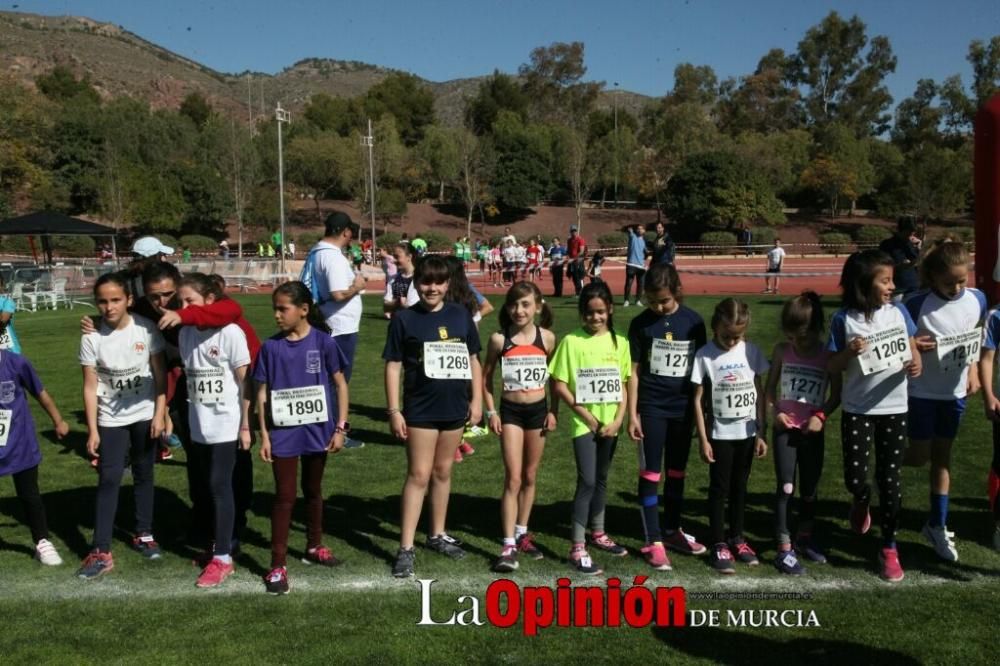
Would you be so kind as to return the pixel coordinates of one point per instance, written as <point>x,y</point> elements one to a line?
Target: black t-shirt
<point>664,397</point>
<point>426,399</point>
<point>902,251</point>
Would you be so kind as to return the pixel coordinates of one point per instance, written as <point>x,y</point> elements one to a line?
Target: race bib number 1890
<point>298,406</point>
<point>5,423</point>
<point>447,360</point>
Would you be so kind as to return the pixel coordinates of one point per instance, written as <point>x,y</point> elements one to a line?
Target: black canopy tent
<point>46,224</point>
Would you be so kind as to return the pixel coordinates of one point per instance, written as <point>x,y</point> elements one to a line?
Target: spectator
<point>775,258</point>
<point>664,248</point>
<point>635,261</point>
<point>746,238</point>
<point>904,248</point>
<point>557,255</point>
<point>291,249</point>
<point>224,248</point>
<point>576,253</point>
<point>276,241</point>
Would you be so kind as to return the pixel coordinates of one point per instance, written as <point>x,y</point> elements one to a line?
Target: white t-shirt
<point>210,357</point>
<point>520,254</point>
<point>510,254</point>
<point>334,273</point>
<point>126,392</point>
<point>946,379</point>
<point>775,256</point>
<point>724,370</point>
<point>881,392</point>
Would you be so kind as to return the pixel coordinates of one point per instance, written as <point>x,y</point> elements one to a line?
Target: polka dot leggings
<point>887,433</point>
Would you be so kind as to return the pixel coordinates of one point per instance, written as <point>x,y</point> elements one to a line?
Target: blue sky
<point>634,43</point>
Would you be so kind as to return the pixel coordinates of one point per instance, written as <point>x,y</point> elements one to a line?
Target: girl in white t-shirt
<point>732,369</point>
<point>948,316</point>
<point>871,338</point>
<point>215,361</point>
<point>124,385</point>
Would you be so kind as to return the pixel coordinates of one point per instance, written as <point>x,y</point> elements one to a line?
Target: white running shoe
<point>943,542</point>
<point>47,554</point>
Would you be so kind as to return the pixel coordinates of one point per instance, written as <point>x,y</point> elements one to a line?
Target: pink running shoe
<point>860,516</point>
<point>320,555</point>
<point>891,569</point>
<point>656,557</point>
<point>458,454</point>
<point>466,449</point>
<point>683,543</point>
<point>216,572</point>
<point>602,541</point>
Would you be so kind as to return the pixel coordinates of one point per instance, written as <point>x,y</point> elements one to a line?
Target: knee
<point>513,483</point>
<point>418,478</point>
<point>786,489</point>
<point>586,483</point>
<point>442,472</point>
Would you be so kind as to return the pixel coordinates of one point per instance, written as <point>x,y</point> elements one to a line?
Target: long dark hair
<point>203,284</point>
<point>858,278</point>
<point>803,314</point>
<point>299,295</point>
<point>517,291</point>
<point>458,286</point>
<point>599,290</point>
<point>664,276</point>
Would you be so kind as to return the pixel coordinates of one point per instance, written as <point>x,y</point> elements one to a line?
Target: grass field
<point>152,612</point>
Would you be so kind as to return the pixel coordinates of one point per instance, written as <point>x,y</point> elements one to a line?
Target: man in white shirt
<point>775,257</point>
<point>341,304</point>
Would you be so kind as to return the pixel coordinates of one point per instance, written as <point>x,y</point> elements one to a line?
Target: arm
<point>343,403</point>
<point>839,360</point>
<point>611,429</point>
<point>990,402</point>
<point>476,404</point>
<point>221,313</point>
<point>240,374</point>
<point>158,365</point>
<point>49,405</point>
<point>916,364</point>
<point>552,418</point>
<point>346,294</point>
<point>265,436</point>
<point>561,391</point>
<point>771,390</point>
<point>634,425</point>
<point>396,422</point>
<point>492,355</point>
<point>90,409</point>
<point>485,308</point>
<point>705,447</point>
<point>760,442</point>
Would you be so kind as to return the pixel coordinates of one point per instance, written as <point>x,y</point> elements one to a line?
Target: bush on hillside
<point>725,239</point>
<point>871,234</point>
<point>197,244</point>
<point>836,243</point>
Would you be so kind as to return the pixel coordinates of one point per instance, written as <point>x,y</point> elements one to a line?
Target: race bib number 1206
<point>888,349</point>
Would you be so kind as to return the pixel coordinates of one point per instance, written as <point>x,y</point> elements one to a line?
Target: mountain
<point>119,62</point>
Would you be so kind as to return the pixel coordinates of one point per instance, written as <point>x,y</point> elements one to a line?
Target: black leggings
<point>888,434</point>
<point>213,466</point>
<point>666,444</point>
<point>26,487</point>
<point>794,448</point>
<point>593,460</point>
<point>134,442</point>
<point>727,479</point>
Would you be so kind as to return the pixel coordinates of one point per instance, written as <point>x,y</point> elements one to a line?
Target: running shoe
<point>466,449</point>
<point>507,561</point>
<point>722,560</point>
<point>216,572</point>
<point>351,443</point>
<point>444,544</point>
<point>603,542</point>
<point>891,569</point>
<point>580,560</point>
<point>477,431</point>
<point>526,546</point>
<point>173,441</point>
<point>626,304</point>
<point>458,454</point>
<point>860,517</point>
<point>321,555</point>
<point>807,548</point>
<point>164,453</point>
<point>276,582</point>
<point>942,540</point>
<point>744,553</point>
<point>96,564</point>
<point>787,563</point>
<point>147,546</point>
<point>403,567</point>
<point>683,543</point>
<point>656,557</point>
<point>47,554</point>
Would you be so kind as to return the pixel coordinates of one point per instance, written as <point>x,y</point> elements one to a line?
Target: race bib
<point>205,385</point>
<point>299,406</point>
<point>671,358</point>
<point>447,360</point>
<point>524,373</point>
<point>957,352</point>
<point>734,400</point>
<point>598,385</point>
<point>803,383</point>
<point>5,423</point>
<point>887,349</point>
<point>5,341</point>
<point>118,383</point>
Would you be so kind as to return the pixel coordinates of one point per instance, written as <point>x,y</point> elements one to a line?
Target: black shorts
<point>529,416</point>
<point>774,270</point>
<point>443,426</point>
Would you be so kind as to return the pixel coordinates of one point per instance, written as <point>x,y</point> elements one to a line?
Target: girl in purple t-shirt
<point>301,418</point>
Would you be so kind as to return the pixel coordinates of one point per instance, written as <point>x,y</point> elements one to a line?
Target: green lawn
<point>151,611</point>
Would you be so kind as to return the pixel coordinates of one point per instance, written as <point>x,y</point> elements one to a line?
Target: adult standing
<point>904,248</point>
<point>576,252</point>
<point>328,272</point>
<point>635,260</point>
<point>276,241</point>
<point>746,238</point>
<point>507,236</point>
<point>557,255</point>
<point>664,248</point>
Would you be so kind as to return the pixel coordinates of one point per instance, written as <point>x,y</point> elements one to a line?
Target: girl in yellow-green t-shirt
<point>589,371</point>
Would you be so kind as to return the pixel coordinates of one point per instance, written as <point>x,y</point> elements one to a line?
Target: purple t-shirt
<point>17,376</point>
<point>289,364</point>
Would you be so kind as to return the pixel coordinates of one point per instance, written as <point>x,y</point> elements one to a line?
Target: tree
<point>779,157</point>
<point>553,84</point>
<point>475,170</point>
<point>918,122</point>
<point>762,102</point>
<point>844,82</point>
<point>577,166</point>
<point>61,85</point>
<point>407,100</point>
<point>985,61</point>
<point>311,163</point>
<point>499,92</point>
<point>523,156</point>
<point>333,114</point>
<point>694,85</point>
<point>440,151</point>
<point>719,190</point>
<point>197,108</point>
<point>842,167</point>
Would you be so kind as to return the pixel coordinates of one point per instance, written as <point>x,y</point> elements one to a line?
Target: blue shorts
<point>934,418</point>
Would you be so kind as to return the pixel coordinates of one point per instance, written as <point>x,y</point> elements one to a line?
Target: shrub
<point>836,243</point>
<point>964,234</point>
<point>726,239</point>
<point>763,235</point>
<point>307,239</point>
<point>197,244</point>
<point>612,240</point>
<point>437,241</point>
<point>871,234</point>
<point>72,246</point>
<point>388,240</point>
<point>16,245</point>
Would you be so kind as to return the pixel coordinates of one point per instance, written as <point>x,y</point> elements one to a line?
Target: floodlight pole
<point>616,144</point>
<point>281,116</point>
<point>369,140</point>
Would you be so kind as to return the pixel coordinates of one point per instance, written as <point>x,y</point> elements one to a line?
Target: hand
<point>265,449</point>
<point>609,430</point>
<point>707,455</point>
<point>785,420</point>
<point>973,386</point>
<point>87,325</point>
<point>857,346</point>
<point>169,319</point>
<point>336,442</point>
<point>245,440</point>
<point>359,282</point>
<point>925,343</point>
<point>475,414</point>
<point>635,428</point>
<point>397,424</point>
<point>914,367</point>
<point>814,424</point>
<point>495,425</point>
<point>62,429</point>
<point>992,408</point>
<point>759,447</point>
<point>551,422</point>
<point>93,444</point>
<point>593,425</point>
<point>156,427</point>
